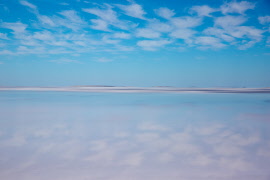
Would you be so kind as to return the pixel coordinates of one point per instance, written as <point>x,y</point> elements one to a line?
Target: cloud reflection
<point>83,142</point>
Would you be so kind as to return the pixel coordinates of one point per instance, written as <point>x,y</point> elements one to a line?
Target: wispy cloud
<point>64,61</point>
<point>122,27</point>
<point>29,5</point>
<point>165,12</point>
<point>152,45</point>
<point>209,42</point>
<point>104,60</point>
<point>264,19</point>
<point>236,7</point>
<point>16,27</point>
<point>147,33</point>
<point>133,10</point>
<point>3,36</point>
<point>204,10</point>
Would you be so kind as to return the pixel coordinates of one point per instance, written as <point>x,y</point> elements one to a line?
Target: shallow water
<point>86,136</point>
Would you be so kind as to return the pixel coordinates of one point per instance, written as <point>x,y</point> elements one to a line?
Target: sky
<point>206,43</point>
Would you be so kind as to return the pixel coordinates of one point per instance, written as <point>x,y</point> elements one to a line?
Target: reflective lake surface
<point>106,136</point>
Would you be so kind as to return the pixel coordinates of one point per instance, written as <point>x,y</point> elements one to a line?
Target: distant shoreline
<point>118,89</point>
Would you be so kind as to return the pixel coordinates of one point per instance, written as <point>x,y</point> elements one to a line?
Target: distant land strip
<point>128,89</point>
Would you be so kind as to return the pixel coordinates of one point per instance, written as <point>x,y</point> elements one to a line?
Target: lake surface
<point>107,136</point>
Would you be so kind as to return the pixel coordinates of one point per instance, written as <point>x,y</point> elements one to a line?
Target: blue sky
<point>205,43</point>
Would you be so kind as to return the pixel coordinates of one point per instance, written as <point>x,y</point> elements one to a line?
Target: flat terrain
<point>123,89</point>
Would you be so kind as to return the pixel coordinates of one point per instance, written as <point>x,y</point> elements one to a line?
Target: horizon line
<point>133,89</point>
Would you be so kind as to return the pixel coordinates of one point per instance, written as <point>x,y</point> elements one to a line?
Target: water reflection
<point>136,136</point>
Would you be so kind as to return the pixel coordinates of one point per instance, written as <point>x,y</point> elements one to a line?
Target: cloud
<point>107,17</point>
<point>103,60</point>
<point>47,21</point>
<point>229,21</point>
<point>158,26</point>
<point>264,19</point>
<point>220,33</point>
<point>209,42</point>
<point>186,22</point>
<point>202,10</point>
<point>107,28</point>
<point>3,36</point>
<point>133,10</point>
<point>236,7</point>
<point>17,27</point>
<point>29,5</point>
<point>100,24</point>
<point>183,33</point>
<point>121,35</point>
<point>152,127</point>
<point>43,35</point>
<point>230,29</point>
<point>6,52</point>
<point>152,45</point>
<point>72,16</point>
<point>16,140</point>
<point>147,33</point>
<point>164,12</point>
<point>30,50</point>
<point>64,61</point>
<point>133,159</point>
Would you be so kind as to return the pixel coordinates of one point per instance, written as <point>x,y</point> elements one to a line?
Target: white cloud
<point>99,24</point>
<point>229,21</point>
<point>133,10</point>
<point>156,25</point>
<point>220,33</point>
<point>133,159</point>
<point>183,33</point>
<point>152,127</point>
<point>165,157</point>
<point>106,14</point>
<point>46,20</point>
<point>69,32</point>
<point>203,10</point>
<point>16,141</point>
<point>121,35</point>
<point>103,59</point>
<point>236,7</point>
<point>6,52</point>
<point>106,39</point>
<point>72,16</point>
<point>186,22</point>
<point>107,17</point>
<point>250,32</point>
<point>147,137</point>
<point>209,42</point>
<point>27,4</point>
<point>152,45</point>
<point>147,33</point>
<point>64,61</point>
<point>30,50</point>
<point>17,27</point>
<point>165,12</point>
<point>43,35</point>
<point>228,150</point>
<point>3,36</point>
<point>264,19</point>
<point>230,29</point>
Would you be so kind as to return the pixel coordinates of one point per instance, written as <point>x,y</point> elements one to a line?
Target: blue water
<point>85,136</point>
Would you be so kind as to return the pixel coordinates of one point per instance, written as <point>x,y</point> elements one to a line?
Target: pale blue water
<point>85,136</point>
